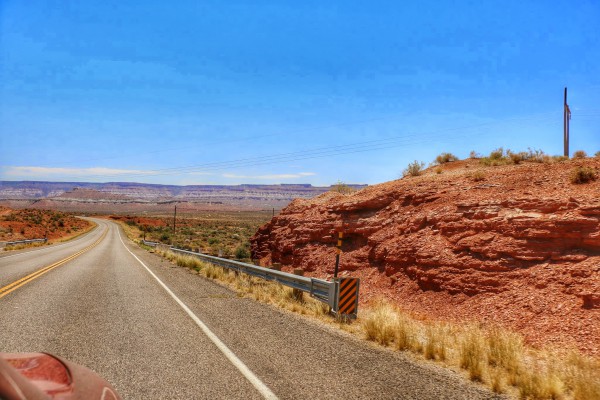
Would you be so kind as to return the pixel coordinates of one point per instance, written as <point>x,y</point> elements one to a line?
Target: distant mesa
<point>140,197</point>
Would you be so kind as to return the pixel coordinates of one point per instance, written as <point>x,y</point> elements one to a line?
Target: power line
<point>358,147</point>
<point>244,139</point>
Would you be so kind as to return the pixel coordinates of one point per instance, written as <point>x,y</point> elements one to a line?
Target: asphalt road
<point>157,331</point>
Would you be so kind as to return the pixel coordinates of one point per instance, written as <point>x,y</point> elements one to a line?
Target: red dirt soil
<point>520,248</point>
<point>35,224</point>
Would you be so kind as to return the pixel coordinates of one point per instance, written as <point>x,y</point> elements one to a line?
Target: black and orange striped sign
<point>348,296</point>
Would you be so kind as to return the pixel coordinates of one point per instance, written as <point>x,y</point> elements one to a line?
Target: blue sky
<point>212,92</point>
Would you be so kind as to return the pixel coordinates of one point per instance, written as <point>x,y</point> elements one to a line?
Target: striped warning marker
<point>348,296</point>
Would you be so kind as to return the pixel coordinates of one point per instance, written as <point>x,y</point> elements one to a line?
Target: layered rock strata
<point>520,247</point>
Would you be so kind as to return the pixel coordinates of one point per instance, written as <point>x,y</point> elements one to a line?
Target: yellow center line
<point>26,279</point>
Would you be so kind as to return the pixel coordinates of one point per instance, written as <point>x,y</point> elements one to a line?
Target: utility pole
<point>566,119</point>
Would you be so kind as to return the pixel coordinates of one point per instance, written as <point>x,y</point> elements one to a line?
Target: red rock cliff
<point>520,248</point>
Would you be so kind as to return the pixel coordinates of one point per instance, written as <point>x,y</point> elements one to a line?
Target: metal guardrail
<point>325,291</point>
<point>27,241</point>
<point>148,243</point>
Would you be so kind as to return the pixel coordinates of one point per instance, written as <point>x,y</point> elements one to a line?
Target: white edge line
<point>239,364</point>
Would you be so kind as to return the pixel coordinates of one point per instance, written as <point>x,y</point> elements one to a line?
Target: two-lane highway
<point>158,331</point>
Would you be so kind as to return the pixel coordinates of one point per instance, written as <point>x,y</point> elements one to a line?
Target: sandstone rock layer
<point>520,248</point>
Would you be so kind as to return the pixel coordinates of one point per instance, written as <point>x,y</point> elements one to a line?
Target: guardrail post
<point>297,293</point>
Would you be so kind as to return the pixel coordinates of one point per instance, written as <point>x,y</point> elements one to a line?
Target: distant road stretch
<point>157,331</point>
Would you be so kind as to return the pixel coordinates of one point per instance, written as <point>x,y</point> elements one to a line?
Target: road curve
<point>157,331</point>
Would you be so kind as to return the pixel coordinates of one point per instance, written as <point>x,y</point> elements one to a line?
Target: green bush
<point>242,253</point>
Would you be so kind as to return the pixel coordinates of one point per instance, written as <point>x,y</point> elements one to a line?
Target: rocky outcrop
<point>524,244</point>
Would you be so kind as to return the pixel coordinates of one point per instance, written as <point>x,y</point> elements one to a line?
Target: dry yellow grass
<point>380,324</point>
<point>582,374</point>
<point>406,335</point>
<point>436,338</point>
<point>540,381</point>
<point>258,289</point>
<point>22,246</point>
<point>493,356</point>
<point>505,350</point>
<point>473,355</point>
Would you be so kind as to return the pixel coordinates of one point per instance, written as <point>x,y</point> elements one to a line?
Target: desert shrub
<point>165,237</point>
<point>580,154</point>
<point>478,176</point>
<point>341,187</point>
<point>241,253</point>
<point>445,158</point>
<point>497,154</point>
<point>583,175</point>
<point>497,157</point>
<point>558,158</point>
<point>516,158</point>
<point>502,157</point>
<point>535,155</point>
<point>415,168</point>
<point>474,154</point>
<point>439,170</point>
<point>597,154</point>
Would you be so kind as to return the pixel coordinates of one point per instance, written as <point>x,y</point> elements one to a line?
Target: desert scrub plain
<point>36,224</point>
<point>224,233</point>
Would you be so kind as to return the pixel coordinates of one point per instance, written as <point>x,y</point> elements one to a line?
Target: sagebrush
<point>415,168</point>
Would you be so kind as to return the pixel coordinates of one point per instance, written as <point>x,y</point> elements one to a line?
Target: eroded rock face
<point>521,247</point>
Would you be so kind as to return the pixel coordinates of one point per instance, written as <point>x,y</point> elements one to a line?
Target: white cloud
<point>271,176</point>
<point>100,174</point>
<point>43,172</point>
